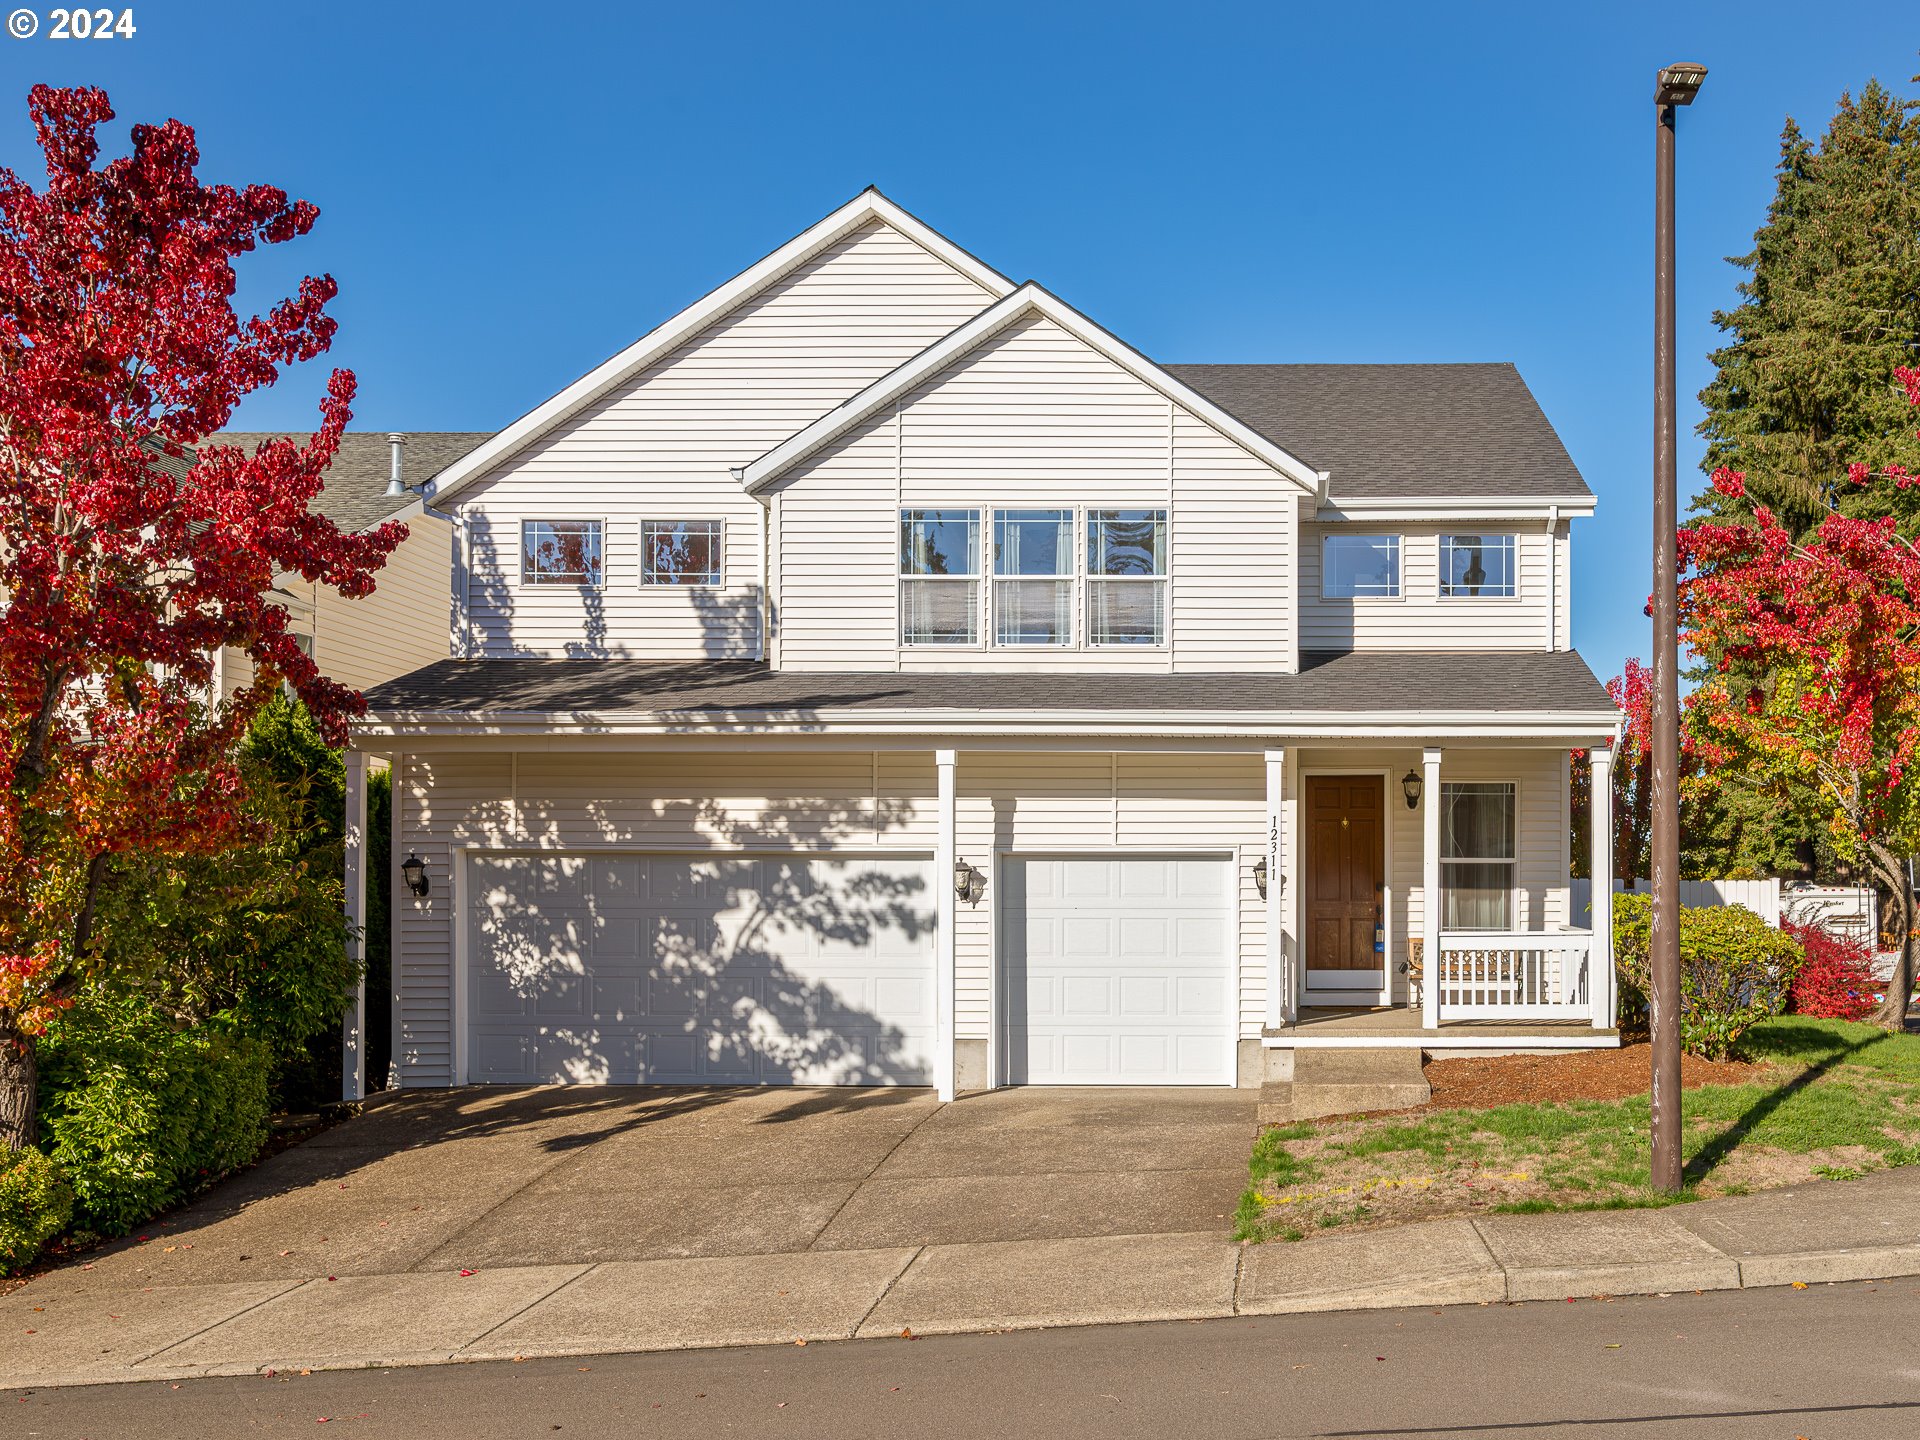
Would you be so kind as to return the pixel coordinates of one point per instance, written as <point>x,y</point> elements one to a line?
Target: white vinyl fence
<point>1846,909</point>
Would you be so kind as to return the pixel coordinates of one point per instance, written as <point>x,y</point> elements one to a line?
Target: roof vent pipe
<point>396,487</point>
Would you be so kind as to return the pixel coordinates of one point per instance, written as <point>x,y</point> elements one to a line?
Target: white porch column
<point>1600,956</point>
<point>1430,887</point>
<point>1280,996</point>
<point>353,1046</point>
<point>945,853</point>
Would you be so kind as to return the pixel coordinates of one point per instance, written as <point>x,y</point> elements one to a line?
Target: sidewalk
<point>63,1330</point>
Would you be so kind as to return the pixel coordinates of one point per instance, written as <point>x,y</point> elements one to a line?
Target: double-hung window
<point>560,552</point>
<point>680,552</point>
<point>1479,567</point>
<point>1360,567</point>
<point>1033,577</point>
<point>939,577</point>
<point>1126,577</point>
<point>1477,855</point>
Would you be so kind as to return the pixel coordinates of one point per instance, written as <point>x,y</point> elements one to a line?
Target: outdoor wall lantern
<point>1260,876</point>
<point>414,869</point>
<point>968,883</point>
<point>1410,787</point>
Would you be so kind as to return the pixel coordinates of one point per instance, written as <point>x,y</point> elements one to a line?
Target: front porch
<point>1355,1029</point>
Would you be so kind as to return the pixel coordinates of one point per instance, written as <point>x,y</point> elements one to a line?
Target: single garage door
<point>633,969</point>
<point>1117,970</point>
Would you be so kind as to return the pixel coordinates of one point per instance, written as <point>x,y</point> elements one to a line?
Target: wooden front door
<point>1346,880</point>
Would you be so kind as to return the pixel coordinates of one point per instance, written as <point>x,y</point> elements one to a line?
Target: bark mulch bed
<point>1481,1084</point>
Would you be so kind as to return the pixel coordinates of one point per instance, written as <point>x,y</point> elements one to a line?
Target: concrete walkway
<point>159,1310</point>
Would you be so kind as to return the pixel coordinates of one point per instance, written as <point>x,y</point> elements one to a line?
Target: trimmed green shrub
<point>36,1203</point>
<point>140,1114</point>
<point>1735,970</point>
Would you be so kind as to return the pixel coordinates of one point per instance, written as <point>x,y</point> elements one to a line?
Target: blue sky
<point>511,193</point>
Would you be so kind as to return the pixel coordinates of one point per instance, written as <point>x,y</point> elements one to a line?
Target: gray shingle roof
<point>354,496</point>
<point>1389,682</point>
<point>1401,431</point>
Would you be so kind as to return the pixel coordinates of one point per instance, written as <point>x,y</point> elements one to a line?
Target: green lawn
<point>1838,1099</point>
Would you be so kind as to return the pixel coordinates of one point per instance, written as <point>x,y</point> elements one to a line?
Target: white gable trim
<point>869,205</point>
<point>1029,299</point>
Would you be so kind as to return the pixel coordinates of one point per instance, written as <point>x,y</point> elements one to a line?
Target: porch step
<point>1346,1082</point>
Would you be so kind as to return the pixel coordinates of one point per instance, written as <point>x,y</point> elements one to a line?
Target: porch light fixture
<point>1410,787</point>
<point>968,883</point>
<point>1260,876</point>
<point>414,870</point>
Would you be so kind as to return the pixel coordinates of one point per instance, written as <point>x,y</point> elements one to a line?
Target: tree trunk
<point>1892,1014</point>
<point>19,1085</point>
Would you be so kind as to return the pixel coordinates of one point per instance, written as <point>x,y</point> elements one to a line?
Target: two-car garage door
<point>731,969</point>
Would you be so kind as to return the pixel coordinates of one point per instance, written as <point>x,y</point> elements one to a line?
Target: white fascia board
<point>1029,299</point>
<point>1570,728</point>
<point>663,339</point>
<point>1440,507</point>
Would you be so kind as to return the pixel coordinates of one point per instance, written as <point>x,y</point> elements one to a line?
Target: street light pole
<point>1677,86</point>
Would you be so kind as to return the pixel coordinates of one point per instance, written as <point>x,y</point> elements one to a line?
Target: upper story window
<point>680,552</point>
<point>1479,566</point>
<point>560,552</point>
<point>1126,569</point>
<point>1476,855</point>
<point>1360,567</point>
<point>939,577</point>
<point>1033,577</point>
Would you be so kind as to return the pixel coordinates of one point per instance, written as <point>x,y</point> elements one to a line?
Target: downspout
<point>763,641</point>
<point>1553,576</point>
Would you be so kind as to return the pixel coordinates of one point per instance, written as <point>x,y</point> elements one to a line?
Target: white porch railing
<point>1531,975</point>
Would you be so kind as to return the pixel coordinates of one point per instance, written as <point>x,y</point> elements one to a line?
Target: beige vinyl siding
<point>661,447</point>
<point>402,625</point>
<point>1035,418</point>
<point>1541,832</point>
<point>1419,619</point>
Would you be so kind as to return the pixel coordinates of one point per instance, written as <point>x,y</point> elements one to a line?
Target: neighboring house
<point>403,624</point>
<point>879,673</point>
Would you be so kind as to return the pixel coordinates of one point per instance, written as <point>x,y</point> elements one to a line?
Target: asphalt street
<point>1821,1363</point>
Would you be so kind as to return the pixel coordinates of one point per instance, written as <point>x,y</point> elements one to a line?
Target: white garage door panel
<point>624,969</point>
<point>1117,970</point>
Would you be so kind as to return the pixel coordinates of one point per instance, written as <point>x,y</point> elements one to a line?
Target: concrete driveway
<point>432,1181</point>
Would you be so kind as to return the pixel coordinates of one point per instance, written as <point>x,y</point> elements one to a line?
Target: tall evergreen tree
<point>1805,385</point>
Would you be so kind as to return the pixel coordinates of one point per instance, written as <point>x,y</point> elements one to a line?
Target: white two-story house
<point>882,674</point>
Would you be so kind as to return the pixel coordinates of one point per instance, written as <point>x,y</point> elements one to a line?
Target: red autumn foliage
<point>131,553</point>
<point>1835,981</point>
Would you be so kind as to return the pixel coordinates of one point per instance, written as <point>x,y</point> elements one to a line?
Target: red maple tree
<point>1815,652</point>
<point>130,552</point>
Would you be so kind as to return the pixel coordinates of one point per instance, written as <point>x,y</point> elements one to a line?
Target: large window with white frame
<point>939,577</point>
<point>1477,823</point>
<point>680,552</point>
<point>1126,577</point>
<point>561,552</point>
<point>1360,567</point>
<point>1479,567</point>
<point>1033,577</point>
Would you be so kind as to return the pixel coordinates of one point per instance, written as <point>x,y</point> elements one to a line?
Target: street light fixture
<point>1676,86</point>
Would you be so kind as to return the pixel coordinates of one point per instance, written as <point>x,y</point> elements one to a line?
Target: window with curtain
<point>1476,855</point>
<point>560,552</point>
<point>1032,577</point>
<point>679,552</point>
<point>1126,569</point>
<point>1359,567</point>
<point>939,577</point>
<point>1479,567</point>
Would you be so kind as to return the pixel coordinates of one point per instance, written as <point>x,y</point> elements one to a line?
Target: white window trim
<point>1512,862</point>
<point>1399,568</point>
<point>991,577</point>
<point>978,577</point>
<point>606,551</point>
<point>721,537</point>
<point>1440,574</point>
<point>1088,580</point>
